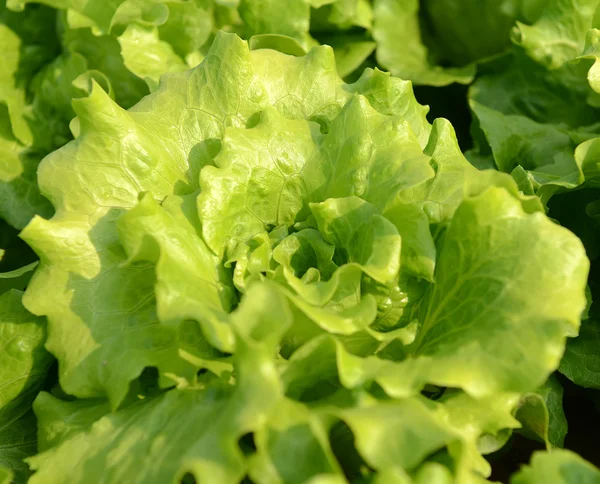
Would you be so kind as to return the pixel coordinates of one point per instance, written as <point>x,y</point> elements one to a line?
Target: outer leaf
<point>18,442</point>
<point>391,95</point>
<point>559,466</point>
<point>19,196</point>
<point>101,190</point>
<point>404,433</point>
<point>60,420</point>
<point>188,27</point>
<point>581,362</point>
<point>476,420</point>
<point>292,447</point>
<point>368,155</point>
<point>385,432</point>
<point>558,35</point>
<point>350,51</point>
<point>515,84</point>
<point>24,361</point>
<point>440,196</point>
<point>482,307</point>
<point>267,17</point>
<point>103,53</point>
<point>467,31</point>
<point>147,56</point>
<point>542,414</point>
<point>191,283</point>
<point>592,51</point>
<point>545,150</point>
<point>28,41</point>
<point>401,50</point>
<point>183,431</point>
<point>103,15</point>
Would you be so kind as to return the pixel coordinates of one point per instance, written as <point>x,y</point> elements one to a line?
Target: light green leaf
<point>91,192</point>
<point>340,14</point>
<point>278,42</point>
<point>258,181</point>
<point>303,250</point>
<point>205,424</point>
<point>20,199</point>
<point>440,196</point>
<point>362,235</point>
<point>147,56</point>
<point>557,466</point>
<point>558,35</point>
<point>366,154</point>
<point>60,420</point>
<point>191,283</point>
<point>404,433</point>
<point>23,366</point>
<point>418,247</point>
<point>103,15</point>
<point>390,95</point>
<point>266,175</point>
<point>267,17</point>
<point>28,41</point>
<point>189,26</point>
<point>350,51</point>
<point>17,279</point>
<point>386,431</point>
<point>24,361</point>
<point>484,305</point>
<point>103,53</point>
<point>302,87</point>
<point>592,51</point>
<point>477,421</point>
<point>336,306</point>
<point>292,447</point>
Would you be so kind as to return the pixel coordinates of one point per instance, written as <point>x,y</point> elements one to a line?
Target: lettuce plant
<point>252,270</point>
<point>322,284</point>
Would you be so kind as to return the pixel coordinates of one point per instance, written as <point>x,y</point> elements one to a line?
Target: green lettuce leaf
<point>117,445</point>
<point>400,48</point>
<point>560,466</point>
<point>24,363</point>
<point>476,304</point>
<point>580,362</point>
<point>542,415</point>
<point>558,35</point>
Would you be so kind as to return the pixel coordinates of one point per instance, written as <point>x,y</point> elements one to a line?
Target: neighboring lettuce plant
<point>536,115</point>
<point>261,272</point>
<point>535,103</point>
<point>24,363</point>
